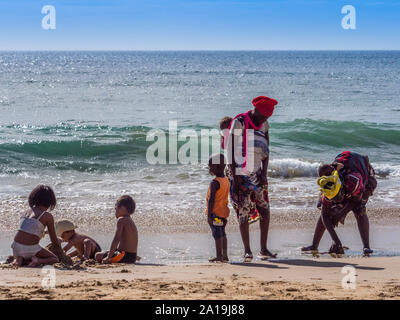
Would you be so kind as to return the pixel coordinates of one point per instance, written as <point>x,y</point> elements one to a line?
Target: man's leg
<point>363,228</point>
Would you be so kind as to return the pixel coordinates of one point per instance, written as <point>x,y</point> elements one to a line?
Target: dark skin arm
<point>236,178</point>
<point>214,186</point>
<point>51,229</point>
<point>74,253</point>
<point>116,240</point>
<point>327,220</point>
<point>264,172</point>
<point>68,246</point>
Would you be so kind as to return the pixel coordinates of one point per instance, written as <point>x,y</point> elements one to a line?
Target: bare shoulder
<point>79,238</point>
<point>124,220</point>
<point>47,217</point>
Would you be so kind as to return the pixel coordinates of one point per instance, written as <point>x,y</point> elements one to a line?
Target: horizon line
<point>186,50</point>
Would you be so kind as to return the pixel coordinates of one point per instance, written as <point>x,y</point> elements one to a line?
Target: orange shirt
<point>221,198</point>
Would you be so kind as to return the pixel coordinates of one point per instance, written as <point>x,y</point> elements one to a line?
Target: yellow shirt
<point>221,198</point>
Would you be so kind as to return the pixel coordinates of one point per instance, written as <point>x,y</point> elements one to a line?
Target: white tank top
<point>32,226</point>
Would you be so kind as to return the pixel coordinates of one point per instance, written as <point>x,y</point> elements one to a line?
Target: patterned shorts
<point>248,203</point>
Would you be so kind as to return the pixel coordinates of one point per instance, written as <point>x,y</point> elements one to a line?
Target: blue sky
<point>199,25</point>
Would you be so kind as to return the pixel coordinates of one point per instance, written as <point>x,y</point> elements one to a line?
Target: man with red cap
<point>248,154</point>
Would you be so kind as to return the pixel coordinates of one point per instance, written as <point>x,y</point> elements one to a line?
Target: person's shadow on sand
<point>258,265</point>
<point>322,264</point>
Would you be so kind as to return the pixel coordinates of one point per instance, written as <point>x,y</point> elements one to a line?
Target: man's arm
<point>116,240</point>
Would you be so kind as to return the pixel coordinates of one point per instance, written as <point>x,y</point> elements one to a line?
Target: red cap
<point>265,105</point>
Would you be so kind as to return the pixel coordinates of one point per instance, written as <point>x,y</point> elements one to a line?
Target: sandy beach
<point>317,278</point>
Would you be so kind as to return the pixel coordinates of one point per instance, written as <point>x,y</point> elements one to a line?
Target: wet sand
<point>377,278</point>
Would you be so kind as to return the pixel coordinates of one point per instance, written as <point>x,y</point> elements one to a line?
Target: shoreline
<point>196,221</point>
<point>376,278</point>
<point>289,231</point>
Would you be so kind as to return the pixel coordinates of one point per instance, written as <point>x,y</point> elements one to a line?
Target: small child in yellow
<point>217,206</point>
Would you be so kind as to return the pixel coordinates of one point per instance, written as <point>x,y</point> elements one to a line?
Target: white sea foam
<point>291,168</point>
<point>383,169</point>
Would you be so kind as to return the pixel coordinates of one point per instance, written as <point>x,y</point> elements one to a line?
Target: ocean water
<point>78,121</point>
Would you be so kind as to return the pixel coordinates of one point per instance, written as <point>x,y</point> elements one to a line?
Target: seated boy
<point>124,245</point>
<point>85,247</point>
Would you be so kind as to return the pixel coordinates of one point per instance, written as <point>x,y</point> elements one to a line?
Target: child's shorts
<point>93,255</point>
<point>24,251</point>
<point>218,232</point>
<point>122,257</point>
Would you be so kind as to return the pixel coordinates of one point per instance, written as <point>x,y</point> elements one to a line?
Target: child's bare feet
<point>34,263</point>
<point>248,257</point>
<point>18,262</point>
<point>215,259</point>
<point>266,254</point>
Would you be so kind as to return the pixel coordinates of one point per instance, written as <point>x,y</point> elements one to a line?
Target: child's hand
<point>106,260</point>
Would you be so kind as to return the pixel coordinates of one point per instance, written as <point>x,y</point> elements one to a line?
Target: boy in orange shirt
<point>217,206</point>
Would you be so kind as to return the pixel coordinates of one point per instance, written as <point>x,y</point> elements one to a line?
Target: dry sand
<point>377,278</point>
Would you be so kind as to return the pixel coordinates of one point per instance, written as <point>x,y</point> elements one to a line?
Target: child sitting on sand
<point>26,247</point>
<point>123,248</point>
<point>217,206</point>
<point>85,247</point>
